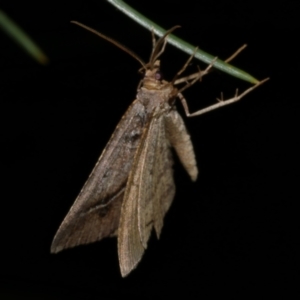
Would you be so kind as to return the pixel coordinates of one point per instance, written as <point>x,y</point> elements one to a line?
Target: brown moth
<point>131,187</point>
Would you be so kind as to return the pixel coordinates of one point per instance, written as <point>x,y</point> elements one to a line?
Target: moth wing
<point>180,139</point>
<point>157,188</point>
<point>149,192</point>
<point>163,185</point>
<point>95,213</point>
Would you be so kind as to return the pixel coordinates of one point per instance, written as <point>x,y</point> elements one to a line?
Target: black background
<point>233,232</point>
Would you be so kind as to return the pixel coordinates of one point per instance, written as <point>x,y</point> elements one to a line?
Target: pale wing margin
<point>96,211</point>
<point>149,192</point>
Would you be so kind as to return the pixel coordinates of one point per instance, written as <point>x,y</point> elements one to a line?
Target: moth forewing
<point>96,211</point>
<point>130,244</point>
<point>163,184</point>
<point>145,182</point>
<point>150,188</point>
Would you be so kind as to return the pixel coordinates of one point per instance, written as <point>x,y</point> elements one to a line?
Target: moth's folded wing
<point>143,192</point>
<point>130,248</point>
<point>96,211</point>
<point>156,184</point>
<point>180,139</point>
<point>163,185</point>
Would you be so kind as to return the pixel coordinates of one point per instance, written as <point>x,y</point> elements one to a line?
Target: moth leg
<point>161,50</point>
<point>158,49</point>
<point>236,53</point>
<point>220,103</point>
<point>184,66</point>
<point>200,74</point>
<point>153,39</point>
<point>193,78</point>
<point>206,71</point>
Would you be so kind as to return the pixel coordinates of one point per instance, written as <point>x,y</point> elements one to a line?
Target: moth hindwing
<point>131,186</point>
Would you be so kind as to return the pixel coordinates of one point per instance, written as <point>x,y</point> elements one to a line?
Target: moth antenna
<point>122,47</point>
<point>159,46</point>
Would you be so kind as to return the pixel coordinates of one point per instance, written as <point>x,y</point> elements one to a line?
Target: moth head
<point>153,78</point>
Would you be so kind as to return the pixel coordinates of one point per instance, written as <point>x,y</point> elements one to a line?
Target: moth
<point>131,186</point>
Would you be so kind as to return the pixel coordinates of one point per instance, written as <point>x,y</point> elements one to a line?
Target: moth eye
<point>158,76</point>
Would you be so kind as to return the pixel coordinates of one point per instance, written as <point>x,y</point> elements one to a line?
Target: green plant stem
<point>16,33</point>
<point>182,45</point>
